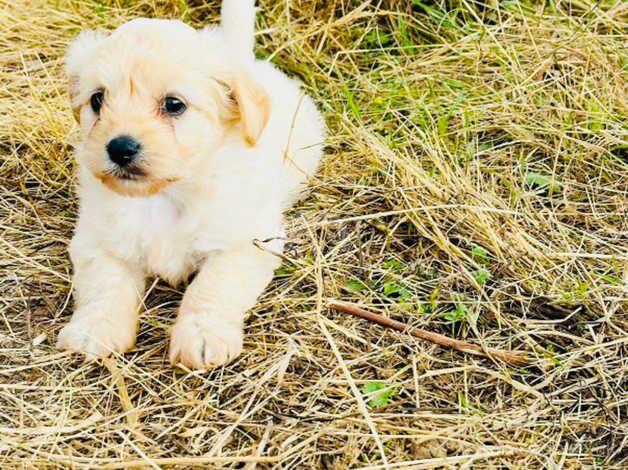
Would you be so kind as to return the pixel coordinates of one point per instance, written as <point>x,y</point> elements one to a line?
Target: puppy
<point>190,150</point>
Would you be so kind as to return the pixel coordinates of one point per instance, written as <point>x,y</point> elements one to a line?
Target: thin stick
<point>516,359</point>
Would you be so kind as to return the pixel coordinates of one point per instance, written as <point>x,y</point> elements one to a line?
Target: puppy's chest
<point>164,239</point>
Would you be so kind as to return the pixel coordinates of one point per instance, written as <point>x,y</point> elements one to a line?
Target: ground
<point>474,184</point>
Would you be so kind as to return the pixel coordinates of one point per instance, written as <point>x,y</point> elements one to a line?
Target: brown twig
<point>516,359</point>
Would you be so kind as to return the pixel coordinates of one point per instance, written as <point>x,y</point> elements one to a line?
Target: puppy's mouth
<point>133,181</point>
<point>127,173</point>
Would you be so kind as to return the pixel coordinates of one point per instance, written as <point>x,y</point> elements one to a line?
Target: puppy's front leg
<point>107,294</point>
<point>209,329</point>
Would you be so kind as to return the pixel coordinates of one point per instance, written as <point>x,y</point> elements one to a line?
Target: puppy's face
<point>153,99</point>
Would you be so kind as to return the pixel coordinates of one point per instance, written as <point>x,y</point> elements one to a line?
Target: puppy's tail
<point>237,18</point>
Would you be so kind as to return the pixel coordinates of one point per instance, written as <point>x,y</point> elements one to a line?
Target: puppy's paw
<point>203,341</point>
<point>96,335</point>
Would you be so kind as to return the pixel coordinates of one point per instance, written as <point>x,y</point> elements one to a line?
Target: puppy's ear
<point>78,55</point>
<point>253,106</point>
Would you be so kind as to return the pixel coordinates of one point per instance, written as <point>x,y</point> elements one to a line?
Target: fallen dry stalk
<point>516,359</point>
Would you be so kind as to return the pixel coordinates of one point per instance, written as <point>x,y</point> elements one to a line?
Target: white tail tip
<point>237,18</point>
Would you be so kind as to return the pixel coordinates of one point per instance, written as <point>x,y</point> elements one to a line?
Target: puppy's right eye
<point>96,101</point>
<point>173,106</point>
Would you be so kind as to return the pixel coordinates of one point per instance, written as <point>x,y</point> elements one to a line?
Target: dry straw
<point>474,185</point>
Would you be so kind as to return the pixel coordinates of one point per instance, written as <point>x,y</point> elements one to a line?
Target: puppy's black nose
<point>123,150</point>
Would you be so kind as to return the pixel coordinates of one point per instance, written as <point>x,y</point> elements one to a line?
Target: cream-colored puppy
<point>190,150</point>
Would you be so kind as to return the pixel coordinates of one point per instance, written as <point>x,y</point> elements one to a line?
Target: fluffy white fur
<point>217,178</point>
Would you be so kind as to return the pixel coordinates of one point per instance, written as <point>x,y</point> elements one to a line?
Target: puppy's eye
<point>96,101</point>
<point>173,106</point>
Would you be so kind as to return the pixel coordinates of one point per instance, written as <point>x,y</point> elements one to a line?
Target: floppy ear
<point>78,55</point>
<point>253,105</point>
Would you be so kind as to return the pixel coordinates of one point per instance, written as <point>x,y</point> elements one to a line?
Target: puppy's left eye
<point>173,106</point>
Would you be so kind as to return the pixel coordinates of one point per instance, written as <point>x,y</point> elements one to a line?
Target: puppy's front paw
<point>203,341</point>
<point>96,335</point>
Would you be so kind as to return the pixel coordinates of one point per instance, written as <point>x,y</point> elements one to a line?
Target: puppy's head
<point>154,99</point>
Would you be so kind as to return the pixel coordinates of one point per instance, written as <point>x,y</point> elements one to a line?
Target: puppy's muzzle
<point>123,150</point>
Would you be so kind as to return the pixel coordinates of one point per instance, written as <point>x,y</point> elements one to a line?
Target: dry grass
<point>475,184</point>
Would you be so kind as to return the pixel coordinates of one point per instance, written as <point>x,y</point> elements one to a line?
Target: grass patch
<point>474,184</point>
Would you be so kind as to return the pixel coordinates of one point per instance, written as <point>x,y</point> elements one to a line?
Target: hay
<point>475,184</point>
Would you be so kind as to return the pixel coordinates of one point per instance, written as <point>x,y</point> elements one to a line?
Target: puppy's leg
<point>107,294</point>
<point>209,329</point>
